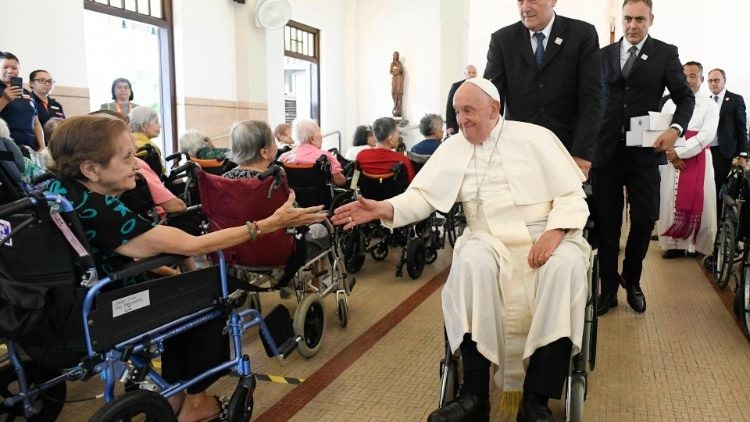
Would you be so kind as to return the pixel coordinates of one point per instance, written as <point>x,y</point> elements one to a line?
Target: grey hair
<point>304,129</point>
<point>191,141</point>
<point>247,139</point>
<point>140,116</point>
<point>383,127</point>
<point>430,123</point>
<point>4,130</point>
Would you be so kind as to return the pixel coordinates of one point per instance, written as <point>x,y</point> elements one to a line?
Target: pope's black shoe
<point>534,408</point>
<point>636,299</point>
<point>465,408</point>
<point>604,302</point>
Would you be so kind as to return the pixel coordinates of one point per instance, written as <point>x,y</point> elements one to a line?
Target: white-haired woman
<point>144,122</point>
<point>197,145</point>
<point>307,133</point>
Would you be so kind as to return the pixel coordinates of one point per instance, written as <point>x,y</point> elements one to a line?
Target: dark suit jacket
<point>732,124</point>
<point>565,95</point>
<point>450,112</point>
<point>657,66</point>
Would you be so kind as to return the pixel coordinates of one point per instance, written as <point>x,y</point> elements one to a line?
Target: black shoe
<point>636,299</point>
<point>534,408</point>
<point>673,253</point>
<point>654,237</point>
<point>465,408</point>
<point>604,302</point>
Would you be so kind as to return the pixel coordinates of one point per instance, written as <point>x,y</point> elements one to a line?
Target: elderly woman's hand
<point>361,211</point>
<point>289,216</point>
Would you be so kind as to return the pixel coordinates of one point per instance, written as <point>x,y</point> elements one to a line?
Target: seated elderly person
<point>516,292</point>
<point>381,158</point>
<point>307,132</point>
<point>363,139</point>
<point>196,144</point>
<point>253,149</point>
<point>431,127</point>
<point>144,122</point>
<point>283,135</point>
<point>95,163</point>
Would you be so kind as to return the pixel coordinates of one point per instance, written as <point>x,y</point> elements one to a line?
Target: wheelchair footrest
<point>289,346</point>
<point>280,328</point>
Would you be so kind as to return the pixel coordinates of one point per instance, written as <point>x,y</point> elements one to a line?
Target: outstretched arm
<point>362,211</point>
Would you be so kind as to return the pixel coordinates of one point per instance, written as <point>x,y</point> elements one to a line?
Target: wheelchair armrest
<point>189,210</point>
<point>143,265</point>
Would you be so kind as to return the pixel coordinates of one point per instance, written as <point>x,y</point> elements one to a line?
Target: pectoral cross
<point>476,202</point>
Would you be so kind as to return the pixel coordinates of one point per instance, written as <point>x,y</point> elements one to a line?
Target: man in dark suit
<point>636,69</point>
<point>731,138</point>
<point>451,125</point>
<point>555,83</point>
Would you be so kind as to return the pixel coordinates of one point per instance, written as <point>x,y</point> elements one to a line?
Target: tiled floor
<point>684,359</point>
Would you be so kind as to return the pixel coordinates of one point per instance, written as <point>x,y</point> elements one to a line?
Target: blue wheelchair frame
<point>112,367</point>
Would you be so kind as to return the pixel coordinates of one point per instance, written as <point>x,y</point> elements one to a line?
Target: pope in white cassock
<point>687,209</point>
<point>516,292</point>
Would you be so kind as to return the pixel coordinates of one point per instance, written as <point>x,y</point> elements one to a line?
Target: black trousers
<point>642,185</point>
<point>722,166</point>
<point>195,351</point>
<point>545,376</point>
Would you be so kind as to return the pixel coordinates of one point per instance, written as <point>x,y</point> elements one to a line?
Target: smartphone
<point>16,81</point>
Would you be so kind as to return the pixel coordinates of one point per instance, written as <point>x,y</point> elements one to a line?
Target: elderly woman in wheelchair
<point>307,263</point>
<point>94,163</point>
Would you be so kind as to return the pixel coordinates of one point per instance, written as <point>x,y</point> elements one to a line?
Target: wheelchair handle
<point>175,156</point>
<point>273,170</point>
<point>15,206</point>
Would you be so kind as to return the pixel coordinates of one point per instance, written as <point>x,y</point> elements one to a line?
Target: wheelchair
<point>419,242</point>
<point>733,228</point>
<point>576,384</point>
<point>62,322</point>
<point>312,186</point>
<point>279,259</point>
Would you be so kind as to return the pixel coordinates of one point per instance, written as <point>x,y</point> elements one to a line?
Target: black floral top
<point>107,222</point>
<point>238,173</point>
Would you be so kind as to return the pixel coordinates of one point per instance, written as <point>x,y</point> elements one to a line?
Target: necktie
<point>716,98</point>
<point>539,52</point>
<point>629,62</point>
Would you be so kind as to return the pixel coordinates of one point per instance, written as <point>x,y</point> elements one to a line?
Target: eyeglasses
<point>714,81</point>
<point>44,81</point>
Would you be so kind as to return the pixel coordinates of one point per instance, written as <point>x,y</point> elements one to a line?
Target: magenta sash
<point>688,207</point>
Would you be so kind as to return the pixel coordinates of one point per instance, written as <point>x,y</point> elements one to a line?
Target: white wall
<point>61,50</point>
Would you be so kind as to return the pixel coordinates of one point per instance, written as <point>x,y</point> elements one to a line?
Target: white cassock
<point>532,185</point>
<point>705,120</point>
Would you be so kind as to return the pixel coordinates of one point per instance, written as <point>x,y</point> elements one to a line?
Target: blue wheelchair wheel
<point>241,404</point>
<point>140,405</point>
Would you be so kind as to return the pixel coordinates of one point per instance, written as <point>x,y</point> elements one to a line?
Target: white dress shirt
<point>719,101</point>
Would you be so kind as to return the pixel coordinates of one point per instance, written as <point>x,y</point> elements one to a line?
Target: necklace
<point>477,200</point>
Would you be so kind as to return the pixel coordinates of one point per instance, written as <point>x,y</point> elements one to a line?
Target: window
<point>133,39</point>
<point>301,71</point>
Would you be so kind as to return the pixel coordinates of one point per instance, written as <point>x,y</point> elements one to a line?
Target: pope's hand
<point>544,247</point>
<point>584,165</point>
<point>361,211</point>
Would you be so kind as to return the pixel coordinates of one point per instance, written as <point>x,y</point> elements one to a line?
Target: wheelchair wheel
<point>455,223</point>
<point>742,299</point>
<point>342,311</point>
<point>49,403</point>
<point>253,301</point>
<point>449,381</point>
<point>416,257</point>
<point>709,263</point>
<point>431,255</point>
<point>380,251</point>
<point>576,397</point>
<point>310,323</point>
<point>241,404</point>
<point>353,247</point>
<point>725,254</point>
<point>140,405</point>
